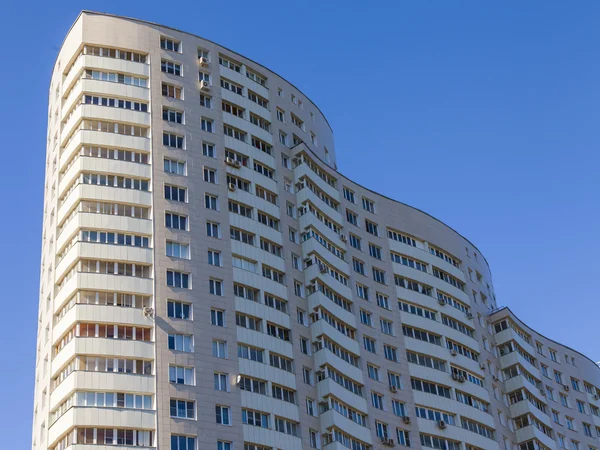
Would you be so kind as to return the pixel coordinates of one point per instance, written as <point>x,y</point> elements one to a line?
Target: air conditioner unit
<point>596,397</point>
<point>406,420</point>
<point>231,187</point>
<point>203,61</point>
<point>313,286</point>
<point>442,302</point>
<point>323,269</point>
<point>542,393</point>
<point>343,237</point>
<point>567,388</point>
<point>148,311</point>
<point>482,367</point>
<point>204,86</point>
<point>453,352</point>
<point>455,376</point>
<point>389,442</point>
<point>461,379</point>
<point>495,378</point>
<point>442,424</point>
<point>393,388</point>
<point>469,316</point>
<point>232,162</point>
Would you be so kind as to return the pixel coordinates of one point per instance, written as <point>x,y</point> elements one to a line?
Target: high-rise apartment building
<point>209,281</point>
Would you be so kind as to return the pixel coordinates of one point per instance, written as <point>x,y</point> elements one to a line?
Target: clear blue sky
<point>484,114</point>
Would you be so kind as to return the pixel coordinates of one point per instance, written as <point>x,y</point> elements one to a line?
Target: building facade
<point>210,281</point>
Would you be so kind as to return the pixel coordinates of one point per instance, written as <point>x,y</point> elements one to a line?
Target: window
<point>354,241</point>
<point>378,275</point>
<point>178,250</point>
<point>208,150</point>
<point>365,317</point>
<point>169,44</point>
<point>217,317</point>
<point>382,301</point>
<point>179,310</point>
<point>369,344</point>
<point>283,393</point>
<point>358,266</point>
<point>219,349</point>
<point>362,291</point>
<point>181,342</point>
<point>171,115</point>
<point>349,195</point>
<point>280,115</point>
<point>175,193</point>
<point>206,125</point>
<point>252,385</point>
<point>178,279</point>
<point>304,346</point>
<point>387,326</point>
<point>307,376</point>
<point>377,400</point>
<point>215,287</point>
<point>214,258</point>
<point>206,101</point>
<point>172,140</point>
<point>256,419</point>
<point>371,227</point>
<point>254,76</point>
<point>237,67</point>
<point>211,202</point>
<point>222,445</point>
<point>170,67</point>
<point>261,101</point>
<point>175,221</point>
<point>174,167</point>
<point>351,217</point>
<point>231,86</point>
<point>171,91</point>
<point>182,442</point>
<point>181,375</point>
<point>553,355</point>
<point>373,372</point>
<point>368,205</point>
<point>212,229</point>
<point>183,409</point>
<point>390,353</point>
<point>222,415</point>
<point>251,353</point>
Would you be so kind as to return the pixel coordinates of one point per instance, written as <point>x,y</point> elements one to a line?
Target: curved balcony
<point>266,372</point>
<point>303,170</point>
<point>305,194</point>
<point>257,254</point>
<point>102,381</point>
<point>511,335</point>
<point>105,166</point>
<point>326,357</point>
<point>264,341</point>
<point>246,125</point>
<point>312,245</point>
<point>272,405</point>
<point>515,357</point>
<point>82,416</point>
<point>102,139</point>
<point>456,433</point>
<point>102,193</point>
<point>253,226</point>
<point>103,88</point>
<point>268,437</point>
<point>246,148</point>
<point>252,200</point>
<point>313,271</point>
<point>96,112</point>
<point>321,327</point>
<point>328,387</point>
<point>317,299</point>
<point>263,311</point>
<point>100,314</point>
<point>106,222</point>
<point>309,219</point>
<point>531,432</point>
<point>244,102</point>
<point>102,282</point>
<point>439,328</point>
<point>93,250</point>
<point>444,354</point>
<point>332,418</point>
<point>257,281</point>
<point>524,407</point>
<point>102,347</point>
<point>458,408</point>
